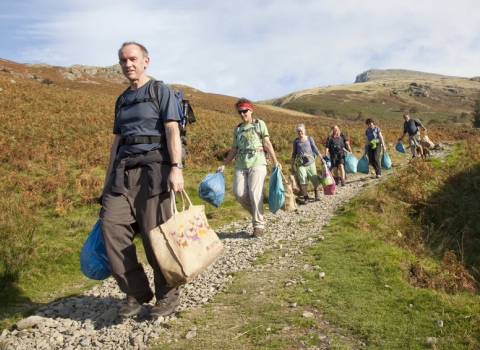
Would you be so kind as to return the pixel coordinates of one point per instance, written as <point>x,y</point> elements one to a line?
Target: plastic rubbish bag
<point>212,189</point>
<point>93,258</point>
<point>351,163</point>
<point>399,147</point>
<point>327,181</point>
<point>386,162</point>
<point>362,166</point>
<point>328,161</point>
<point>276,192</point>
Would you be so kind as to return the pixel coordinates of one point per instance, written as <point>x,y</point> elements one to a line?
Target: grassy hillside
<point>54,152</point>
<point>432,100</point>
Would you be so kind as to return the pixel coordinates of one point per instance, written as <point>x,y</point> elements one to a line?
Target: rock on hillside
<point>395,74</point>
<point>80,72</point>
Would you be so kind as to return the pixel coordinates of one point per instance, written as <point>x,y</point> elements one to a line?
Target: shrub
<point>476,114</point>
<point>48,81</point>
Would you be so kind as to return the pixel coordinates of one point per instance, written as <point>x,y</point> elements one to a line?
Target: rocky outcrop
<point>396,74</point>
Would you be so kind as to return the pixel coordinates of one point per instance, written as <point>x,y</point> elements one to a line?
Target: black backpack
<point>184,108</point>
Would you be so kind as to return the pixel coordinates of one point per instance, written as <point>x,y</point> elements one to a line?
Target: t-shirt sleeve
<point>314,146</point>
<point>168,103</point>
<point>417,122</point>
<point>235,141</point>
<point>263,128</point>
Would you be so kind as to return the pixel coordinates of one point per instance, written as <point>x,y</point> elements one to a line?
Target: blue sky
<point>258,49</point>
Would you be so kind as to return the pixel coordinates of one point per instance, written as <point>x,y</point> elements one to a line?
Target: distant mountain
<point>386,74</point>
<point>387,93</point>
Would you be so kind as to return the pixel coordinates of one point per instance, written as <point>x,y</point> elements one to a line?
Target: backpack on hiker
<point>256,125</point>
<point>187,116</point>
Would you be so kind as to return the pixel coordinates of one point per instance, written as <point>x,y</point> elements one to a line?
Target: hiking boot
<point>258,232</point>
<point>317,195</point>
<point>165,307</point>
<point>379,176</point>
<point>337,181</point>
<point>133,307</point>
<point>343,182</point>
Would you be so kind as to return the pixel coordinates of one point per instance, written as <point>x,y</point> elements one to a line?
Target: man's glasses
<point>243,111</point>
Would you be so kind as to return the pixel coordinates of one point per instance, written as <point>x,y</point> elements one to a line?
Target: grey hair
<point>300,127</point>
<point>142,48</point>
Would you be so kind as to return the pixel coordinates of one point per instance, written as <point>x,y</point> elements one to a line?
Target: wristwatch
<point>178,165</point>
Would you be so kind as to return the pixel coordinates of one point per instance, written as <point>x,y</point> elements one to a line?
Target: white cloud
<point>254,48</point>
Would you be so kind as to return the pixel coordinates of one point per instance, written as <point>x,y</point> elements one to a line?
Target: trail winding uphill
<point>89,321</point>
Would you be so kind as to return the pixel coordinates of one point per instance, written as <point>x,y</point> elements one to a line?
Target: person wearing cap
<point>251,144</point>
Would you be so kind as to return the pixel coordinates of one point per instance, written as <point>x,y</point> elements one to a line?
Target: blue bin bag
<point>386,162</point>
<point>399,147</point>
<point>362,166</point>
<point>276,192</point>
<point>93,258</point>
<point>328,161</point>
<point>351,163</point>
<point>212,189</point>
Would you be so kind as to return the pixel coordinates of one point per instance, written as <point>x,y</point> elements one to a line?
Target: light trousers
<point>248,190</point>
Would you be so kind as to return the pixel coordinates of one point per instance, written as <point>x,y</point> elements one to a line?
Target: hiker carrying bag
<point>351,163</point>
<point>185,245</point>
<point>362,166</point>
<point>93,258</point>
<point>276,192</point>
<point>212,189</point>
<point>289,203</point>
<point>386,163</point>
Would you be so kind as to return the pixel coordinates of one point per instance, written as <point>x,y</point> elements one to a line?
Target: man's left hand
<point>175,180</point>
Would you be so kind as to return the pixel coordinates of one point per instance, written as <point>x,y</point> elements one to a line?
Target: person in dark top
<point>374,143</point>
<point>410,127</point>
<point>139,178</point>
<point>337,145</point>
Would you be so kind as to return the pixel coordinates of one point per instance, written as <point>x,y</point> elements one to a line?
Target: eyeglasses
<point>243,111</point>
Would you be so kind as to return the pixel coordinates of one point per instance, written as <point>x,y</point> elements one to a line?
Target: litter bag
<point>351,163</point>
<point>328,161</point>
<point>327,181</point>
<point>212,189</point>
<point>386,162</point>
<point>362,166</point>
<point>399,147</point>
<point>93,258</point>
<point>276,192</point>
<point>289,203</point>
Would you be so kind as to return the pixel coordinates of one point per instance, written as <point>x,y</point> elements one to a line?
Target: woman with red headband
<point>251,144</point>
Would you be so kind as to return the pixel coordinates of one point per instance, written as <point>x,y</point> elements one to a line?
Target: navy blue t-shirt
<point>411,127</point>
<point>143,119</point>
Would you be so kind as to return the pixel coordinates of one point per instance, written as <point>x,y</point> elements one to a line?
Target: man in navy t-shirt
<point>145,165</point>
<point>410,127</point>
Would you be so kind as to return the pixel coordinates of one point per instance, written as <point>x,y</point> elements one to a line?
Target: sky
<point>257,49</point>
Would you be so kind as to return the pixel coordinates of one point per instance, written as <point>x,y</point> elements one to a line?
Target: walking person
<point>374,143</point>
<point>337,145</point>
<point>410,127</point>
<point>302,162</point>
<point>251,143</point>
<point>145,165</point>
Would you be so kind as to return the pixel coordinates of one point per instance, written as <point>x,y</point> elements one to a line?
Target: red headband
<point>245,105</point>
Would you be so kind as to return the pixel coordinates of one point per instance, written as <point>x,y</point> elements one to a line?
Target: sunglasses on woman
<point>243,111</point>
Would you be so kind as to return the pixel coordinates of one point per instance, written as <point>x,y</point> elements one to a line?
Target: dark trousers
<point>125,215</point>
<point>374,158</point>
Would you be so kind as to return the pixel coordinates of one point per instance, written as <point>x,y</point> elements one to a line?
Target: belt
<point>133,140</point>
<point>136,155</point>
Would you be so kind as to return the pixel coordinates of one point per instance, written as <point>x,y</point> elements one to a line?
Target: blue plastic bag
<point>351,163</point>
<point>212,189</point>
<point>93,258</point>
<point>362,166</point>
<point>276,192</point>
<point>328,161</point>
<point>386,162</point>
<point>399,147</point>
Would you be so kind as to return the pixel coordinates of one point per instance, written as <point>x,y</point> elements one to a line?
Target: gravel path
<point>89,321</point>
